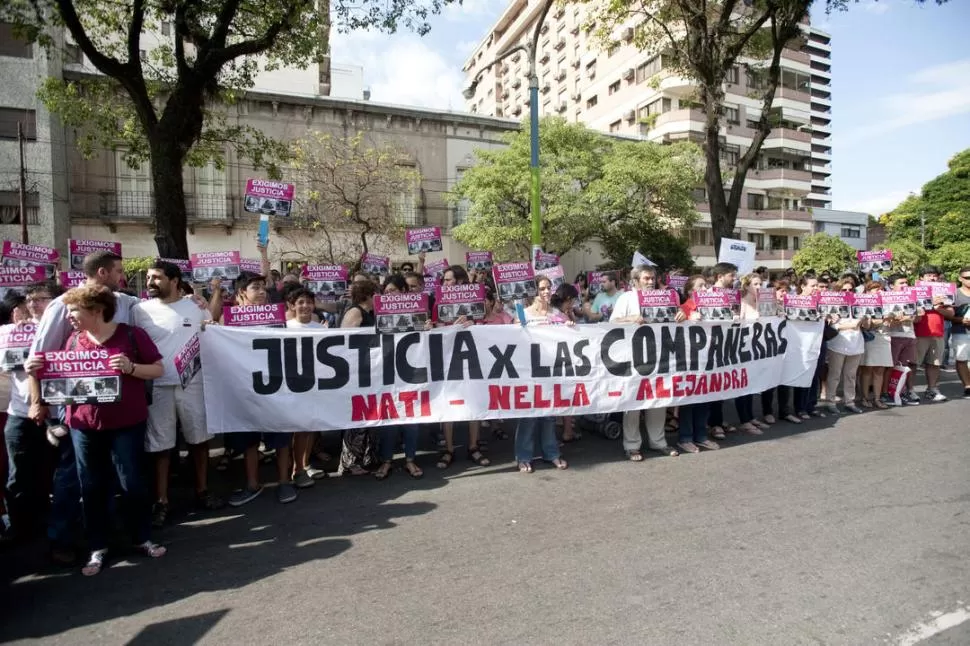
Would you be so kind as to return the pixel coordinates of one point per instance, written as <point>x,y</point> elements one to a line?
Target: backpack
<point>149,383</point>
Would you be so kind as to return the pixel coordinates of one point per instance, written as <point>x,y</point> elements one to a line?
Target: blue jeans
<point>388,438</point>
<point>693,423</point>
<point>745,407</point>
<point>768,399</point>
<point>715,412</point>
<point>65,497</point>
<point>28,462</point>
<point>806,399</point>
<point>525,438</point>
<point>101,455</point>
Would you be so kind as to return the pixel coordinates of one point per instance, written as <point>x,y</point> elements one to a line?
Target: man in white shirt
<point>172,322</point>
<point>627,310</point>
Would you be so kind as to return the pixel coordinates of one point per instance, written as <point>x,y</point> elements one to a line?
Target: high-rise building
<point>630,92</point>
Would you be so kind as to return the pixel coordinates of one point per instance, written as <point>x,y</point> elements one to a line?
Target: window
<point>134,186</point>
<point>210,193</point>
<point>729,154</point>
<point>462,207</point>
<point>699,237</point>
<point>779,243</point>
<point>648,69</point>
<point>795,243</point>
<point>615,126</point>
<point>851,232</point>
<point>614,87</point>
<point>12,45</point>
<point>730,114</point>
<point>655,107</point>
<point>10,207</point>
<point>166,28</point>
<point>10,117</point>
<point>733,75</point>
<point>405,204</point>
<point>591,102</point>
<point>72,54</point>
<point>756,202</point>
<point>758,239</point>
<point>699,194</point>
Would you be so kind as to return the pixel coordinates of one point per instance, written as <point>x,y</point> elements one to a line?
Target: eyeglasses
<point>964,277</point>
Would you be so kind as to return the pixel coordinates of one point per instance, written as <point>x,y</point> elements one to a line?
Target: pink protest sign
<point>767,302</point>
<point>867,305</point>
<point>185,266</point>
<point>946,291</point>
<point>375,264</point>
<point>436,268</point>
<point>901,303</point>
<point>658,305</point>
<point>514,280</point>
<point>15,341</point>
<point>454,301</point>
<point>188,361</point>
<point>801,308</point>
<point>17,254</point>
<point>207,265</point>
<point>400,312</point>
<point>71,279</point>
<point>16,278</point>
<point>543,260</point>
<point>329,282</point>
<point>478,260</point>
<point>268,197</point>
<point>272,315</point>
<point>79,376</point>
<point>714,305</point>
<point>555,274</point>
<point>835,303</point>
<point>874,260</point>
<point>423,240</point>
<point>251,265</point>
<point>80,248</point>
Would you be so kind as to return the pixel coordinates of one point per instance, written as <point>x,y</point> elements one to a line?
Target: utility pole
<point>922,229</point>
<point>23,185</point>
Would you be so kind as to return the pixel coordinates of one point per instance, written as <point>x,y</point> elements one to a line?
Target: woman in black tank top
<point>359,450</point>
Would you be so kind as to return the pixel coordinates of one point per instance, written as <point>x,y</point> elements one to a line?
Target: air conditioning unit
<point>630,115</point>
<point>575,30</point>
<point>627,34</point>
<point>546,88</point>
<point>545,29</point>
<point>577,96</point>
<point>561,76</point>
<point>629,74</point>
<point>575,64</point>
<point>560,43</point>
<point>562,107</point>
<point>516,83</point>
<point>544,59</point>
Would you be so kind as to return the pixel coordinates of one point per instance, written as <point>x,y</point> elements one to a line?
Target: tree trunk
<point>171,217</point>
<point>722,217</point>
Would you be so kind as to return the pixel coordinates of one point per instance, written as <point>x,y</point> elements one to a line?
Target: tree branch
<point>134,35</point>
<point>223,21</point>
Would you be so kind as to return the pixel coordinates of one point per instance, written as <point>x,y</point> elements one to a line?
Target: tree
<point>667,249</point>
<point>951,257</point>
<point>353,193</point>
<point>704,41</point>
<point>160,106</point>
<point>591,184</point>
<point>822,252</point>
<point>940,212</point>
<point>908,256</point>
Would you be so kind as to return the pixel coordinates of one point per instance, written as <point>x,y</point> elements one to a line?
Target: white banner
<point>319,379</point>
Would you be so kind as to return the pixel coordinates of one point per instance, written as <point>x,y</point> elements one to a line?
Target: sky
<point>900,86</point>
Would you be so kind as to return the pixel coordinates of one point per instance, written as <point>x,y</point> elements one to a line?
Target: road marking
<point>940,622</point>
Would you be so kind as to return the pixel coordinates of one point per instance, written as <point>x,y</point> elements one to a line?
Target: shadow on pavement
<point>184,630</point>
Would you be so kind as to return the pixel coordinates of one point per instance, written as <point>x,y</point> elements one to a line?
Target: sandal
<point>356,470</point>
<point>575,437</point>
<point>500,434</point>
<point>634,456</point>
<point>717,432</point>
<point>866,402</point>
<point>770,419</point>
<point>445,459</point>
<point>384,471</point>
<point>525,467</point>
<point>152,550</point>
<point>560,464</point>
<point>794,419</point>
<point>668,450</point>
<point>413,470</point>
<point>476,456</point>
<point>95,563</point>
<point>881,405</point>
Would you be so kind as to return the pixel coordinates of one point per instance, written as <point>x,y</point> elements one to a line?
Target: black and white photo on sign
<point>659,314</point>
<point>266,205</point>
<point>716,313</point>
<point>391,323</point>
<point>803,314</point>
<point>480,265</point>
<point>14,358</point>
<point>871,311</point>
<point>875,265</point>
<point>424,246</point>
<point>54,390</point>
<point>77,260</point>
<point>205,274</point>
<point>842,311</point>
<point>516,290</point>
<point>899,309</point>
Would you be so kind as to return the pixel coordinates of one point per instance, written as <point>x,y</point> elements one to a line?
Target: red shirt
<point>688,307</point>
<point>133,407</point>
<point>931,325</point>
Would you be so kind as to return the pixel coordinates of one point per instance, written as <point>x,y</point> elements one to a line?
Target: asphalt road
<point>849,531</point>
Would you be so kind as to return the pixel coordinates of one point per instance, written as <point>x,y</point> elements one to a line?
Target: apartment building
<point>630,92</point>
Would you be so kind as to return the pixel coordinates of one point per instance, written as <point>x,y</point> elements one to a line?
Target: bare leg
<point>200,461</point>
<point>568,429</point>
<point>449,430</point>
<point>865,379</point>
<point>932,376</point>
<point>474,431</point>
<point>878,373</point>
<point>302,444</point>
<point>964,371</point>
<point>251,465</point>
<point>283,464</point>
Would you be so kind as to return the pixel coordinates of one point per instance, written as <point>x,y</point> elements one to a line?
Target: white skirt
<point>878,352</point>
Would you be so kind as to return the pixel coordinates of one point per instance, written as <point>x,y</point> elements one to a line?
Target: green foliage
<point>908,256</point>
<point>591,184</point>
<point>823,252</point>
<point>667,249</point>
<point>944,202</point>
<point>951,257</point>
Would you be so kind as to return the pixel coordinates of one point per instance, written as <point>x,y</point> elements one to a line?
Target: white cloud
<point>877,7</point>
<point>472,10</point>
<point>404,70</point>
<point>877,205</point>
<point>933,93</point>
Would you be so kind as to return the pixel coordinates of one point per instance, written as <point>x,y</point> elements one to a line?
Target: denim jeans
<point>947,329</point>
<point>693,423</point>
<point>525,438</point>
<point>768,400</point>
<point>806,399</point>
<point>65,497</point>
<point>745,407</point>
<point>388,439</point>
<point>715,411</point>
<point>101,455</point>
<point>28,466</point>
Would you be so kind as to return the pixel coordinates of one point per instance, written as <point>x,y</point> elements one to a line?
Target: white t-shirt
<point>54,329</point>
<point>848,342</point>
<point>293,323</point>
<point>170,326</point>
<point>628,304</point>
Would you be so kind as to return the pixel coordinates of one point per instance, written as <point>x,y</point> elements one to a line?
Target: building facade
<point>631,92</point>
<point>851,227</point>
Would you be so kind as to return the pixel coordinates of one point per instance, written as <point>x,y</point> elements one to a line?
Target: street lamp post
<point>530,50</point>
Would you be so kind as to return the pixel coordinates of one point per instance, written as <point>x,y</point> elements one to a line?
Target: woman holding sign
<point>358,451</point>
<point>108,437</point>
<point>540,312</point>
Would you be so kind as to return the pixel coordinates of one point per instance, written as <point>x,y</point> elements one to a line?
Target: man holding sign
<point>172,322</point>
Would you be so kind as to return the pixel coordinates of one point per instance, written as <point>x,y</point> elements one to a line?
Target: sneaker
<point>852,408</point>
<point>966,393</point>
<point>316,474</point>
<point>934,396</point>
<point>948,368</point>
<point>887,400</point>
<point>206,501</point>
<point>909,399</point>
<point>243,496</point>
<point>159,514</point>
<point>302,480</point>
<point>286,492</point>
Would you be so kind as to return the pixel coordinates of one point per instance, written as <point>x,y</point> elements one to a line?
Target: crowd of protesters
<point>93,462</point>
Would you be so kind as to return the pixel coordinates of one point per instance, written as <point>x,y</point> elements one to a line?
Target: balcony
<point>792,94</point>
<point>783,219</point>
<point>672,84</point>
<point>796,181</point>
<point>677,121</point>
<point>111,208</point>
<point>795,140</point>
<point>795,56</point>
